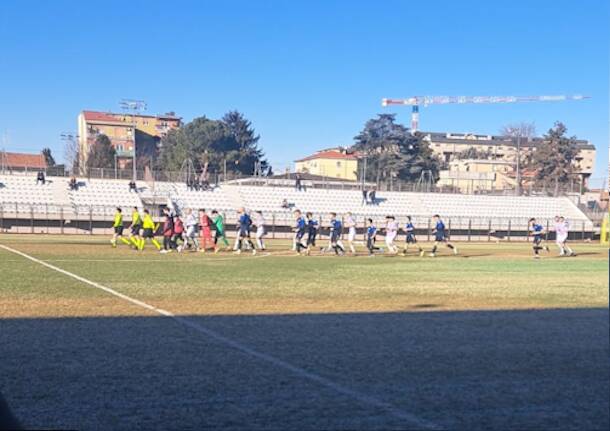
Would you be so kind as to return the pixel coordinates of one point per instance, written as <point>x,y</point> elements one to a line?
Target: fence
<point>57,219</point>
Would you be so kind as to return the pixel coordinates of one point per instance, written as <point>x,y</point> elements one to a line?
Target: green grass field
<point>488,338</point>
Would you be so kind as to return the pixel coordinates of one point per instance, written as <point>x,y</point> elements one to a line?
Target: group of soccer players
<point>194,233</point>
<point>561,228</point>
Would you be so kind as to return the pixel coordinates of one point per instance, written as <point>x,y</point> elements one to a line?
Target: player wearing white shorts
<point>350,223</point>
<point>191,224</point>
<point>259,222</point>
<point>562,228</point>
<point>391,230</point>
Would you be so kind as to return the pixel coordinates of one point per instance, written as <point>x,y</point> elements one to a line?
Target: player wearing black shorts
<point>410,238</point>
<point>117,225</point>
<point>440,236</point>
<point>135,228</point>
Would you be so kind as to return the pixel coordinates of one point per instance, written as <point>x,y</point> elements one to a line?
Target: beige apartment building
<point>501,148</point>
<point>123,130</point>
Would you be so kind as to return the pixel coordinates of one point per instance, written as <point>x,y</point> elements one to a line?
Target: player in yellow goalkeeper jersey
<point>117,225</point>
<point>148,231</point>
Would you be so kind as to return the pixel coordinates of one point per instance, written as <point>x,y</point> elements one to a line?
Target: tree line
<point>231,144</point>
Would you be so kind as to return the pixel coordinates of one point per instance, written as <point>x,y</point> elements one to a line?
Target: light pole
<point>133,106</point>
<point>518,176</point>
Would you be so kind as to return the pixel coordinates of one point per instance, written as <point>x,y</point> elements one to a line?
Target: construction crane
<point>418,101</point>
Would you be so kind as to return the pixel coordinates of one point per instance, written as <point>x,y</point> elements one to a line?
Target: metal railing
<point>71,219</point>
<point>572,188</point>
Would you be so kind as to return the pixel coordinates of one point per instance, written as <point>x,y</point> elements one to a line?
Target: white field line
<point>411,419</point>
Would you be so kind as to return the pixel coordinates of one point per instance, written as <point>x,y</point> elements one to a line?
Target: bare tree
<point>519,131</point>
<point>523,129</point>
<point>72,153</point>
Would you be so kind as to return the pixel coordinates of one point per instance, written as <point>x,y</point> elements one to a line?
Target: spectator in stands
<point>372,196</point>
<point>196,185</point>
<point>205,185</point>
<point>132,186</point>
<point>285,204</point>
<point>365,196</point>
<point>40,178</point>
<point>72,183</point>
<point>297,184</point>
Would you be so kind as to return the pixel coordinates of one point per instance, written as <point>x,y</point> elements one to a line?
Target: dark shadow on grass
<point>532,369</point>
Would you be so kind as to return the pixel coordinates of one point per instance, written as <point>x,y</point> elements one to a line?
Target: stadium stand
<point>98,197</point>
<point>101,196</point>
<point>21,193</point>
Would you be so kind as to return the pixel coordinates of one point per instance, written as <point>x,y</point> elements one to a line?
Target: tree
<point>48,157</point>
<point>523,129</point>
<point>72,154</point>
<point>101,154</point>
<point>554,157</point>
<point>251,157</point>
<point>392,152</point>
<point>213,144</point>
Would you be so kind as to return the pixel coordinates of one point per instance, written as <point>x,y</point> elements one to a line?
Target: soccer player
<point>350,223</point>
<point>135,228</point>
<point>179,234</point>
<point>312,231</point>
<point>244,222</point>
<point>219,231</point>
<point>391,230</point>
<point>118,228</point>
<point>191,224</point>
<point>536,231</point>
<point>206,230</point>
<point>148,231</point>
<point>440,235</point>
<point>259,222</point>
<point>562,228</point>
<point>371,237</point>
<point>335,234</point>
<point>168,231</point>
<point>411,239</point>
<point>299,231</point>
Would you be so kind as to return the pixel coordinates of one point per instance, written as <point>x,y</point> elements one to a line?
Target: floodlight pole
<point>133,106</point>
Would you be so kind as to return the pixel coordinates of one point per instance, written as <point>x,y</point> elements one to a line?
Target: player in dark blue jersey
<point>410,238</point>
<point>244,224</point>
<point>336,228</point>
<point>300,226</point>
<point>440,235</point>
<point>536,231</point>
<point>371,236</point>
<point>312,231</point>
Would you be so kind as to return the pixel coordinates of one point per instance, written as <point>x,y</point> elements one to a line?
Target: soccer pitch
<point>95,337</point>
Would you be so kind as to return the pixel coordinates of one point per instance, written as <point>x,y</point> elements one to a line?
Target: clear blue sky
<point>307,73</point>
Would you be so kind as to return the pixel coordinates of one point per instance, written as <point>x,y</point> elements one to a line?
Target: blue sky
<point>307,73</point>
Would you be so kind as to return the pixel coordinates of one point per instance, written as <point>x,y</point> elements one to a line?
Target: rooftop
<point>22,160</point>
<point>115,117</point>
<point>330,154</point>
<point>491,140</point>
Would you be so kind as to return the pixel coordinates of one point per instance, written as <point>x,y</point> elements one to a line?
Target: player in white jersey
<point>391,230</point>
<point>191,223</point>
<point>259,222</point>
<point>562,228</point>
<point>350,224</point>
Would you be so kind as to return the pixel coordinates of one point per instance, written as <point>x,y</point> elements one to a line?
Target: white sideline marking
<point>363,398</point>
